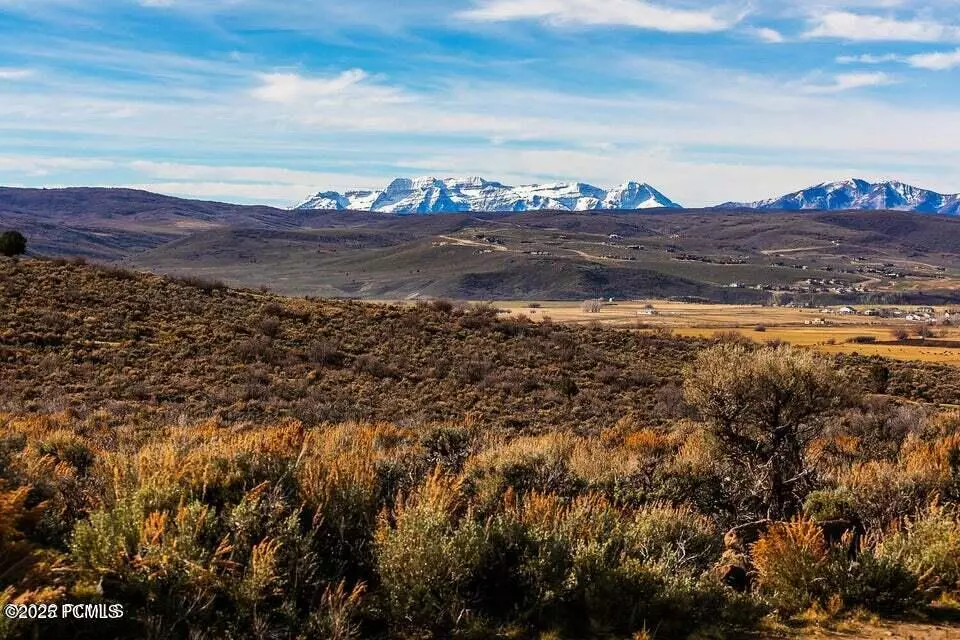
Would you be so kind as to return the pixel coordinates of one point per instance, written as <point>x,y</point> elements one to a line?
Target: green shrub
<point>525,465</point>
<point>12,243</point>
<point>109,538</point>
<point>796,570</point>
<point>198,282</point>
<point>612,594</point>
<point>674,539</point>
<point>878,584</point>
<point>928,545</point>
<point>185,566</point>
<point>830,504</point>
<point>593,570</point>
<point>765,406</point>
<point>699,607</point>
<point>166,560</point>
<point>427,559</point>
<point>447,447</point>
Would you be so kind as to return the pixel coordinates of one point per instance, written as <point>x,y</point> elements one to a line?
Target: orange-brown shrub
<point>790,562</point>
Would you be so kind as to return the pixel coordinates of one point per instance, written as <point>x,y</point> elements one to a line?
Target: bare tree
<point>592,306</point>
<point>923,331</point>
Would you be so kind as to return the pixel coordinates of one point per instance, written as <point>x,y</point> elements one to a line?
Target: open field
<point>837,340</point>
<point>762,324</point>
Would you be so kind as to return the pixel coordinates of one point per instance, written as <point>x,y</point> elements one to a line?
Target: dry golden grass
<point>677,314</point>
<point>784,324</point>
<point>837,340</point>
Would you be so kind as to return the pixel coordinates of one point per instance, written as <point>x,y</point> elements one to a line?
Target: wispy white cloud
<point>934,61</point>
<point>847,81</point>
<point>275,176</point>
<point>869,58</point>
<point>282,194</point>
<point>274,185</point>
<point>847,25</point>
<point>937,61</point>
<point>40,166</point>
<point>769,35</point>
<point>628,13</point>
<point>353,84</point>
<point>7,73</point>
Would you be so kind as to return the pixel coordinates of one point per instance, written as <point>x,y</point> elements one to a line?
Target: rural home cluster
<point>924,315</point>
<point>809,285</point>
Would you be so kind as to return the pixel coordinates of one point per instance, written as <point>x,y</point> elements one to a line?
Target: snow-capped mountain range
<point>859,194</point>
<point>432,195</point>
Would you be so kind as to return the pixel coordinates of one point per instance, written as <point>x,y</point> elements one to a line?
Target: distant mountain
<point>124,207</point>
<point>859,194</point>
<point>102,223</point>
<point>432,195</point>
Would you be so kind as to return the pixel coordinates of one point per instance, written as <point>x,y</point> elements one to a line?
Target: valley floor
<point>823,329</point>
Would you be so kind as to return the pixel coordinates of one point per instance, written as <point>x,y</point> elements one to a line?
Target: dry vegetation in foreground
<point>190,452</point>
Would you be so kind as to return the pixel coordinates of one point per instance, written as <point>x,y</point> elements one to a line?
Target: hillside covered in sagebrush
<point>228,463</point>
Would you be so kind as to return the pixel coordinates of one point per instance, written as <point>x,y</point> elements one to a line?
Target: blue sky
<point>267,101</point>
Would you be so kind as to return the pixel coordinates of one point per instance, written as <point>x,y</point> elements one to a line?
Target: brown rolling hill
<point>727,256</point>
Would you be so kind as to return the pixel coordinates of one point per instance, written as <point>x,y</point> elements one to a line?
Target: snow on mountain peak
<point>855,193</point>
<point>472,182</point>
<point>400,185</point>
<point>427,194</point>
